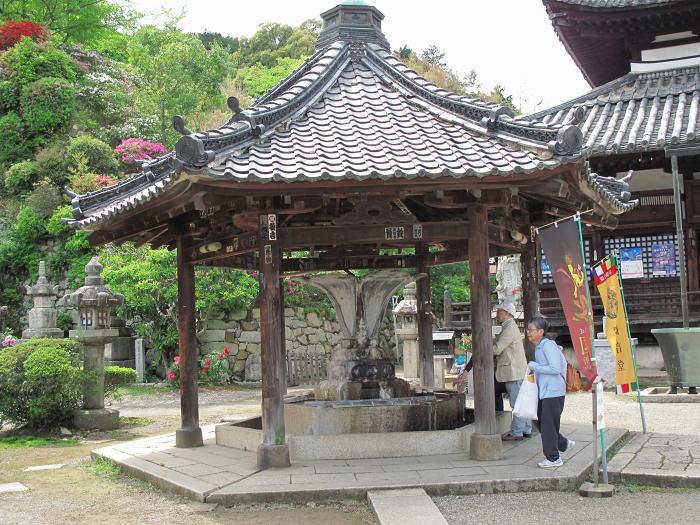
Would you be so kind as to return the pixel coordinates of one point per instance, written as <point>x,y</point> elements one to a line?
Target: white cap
<point>507,307</point>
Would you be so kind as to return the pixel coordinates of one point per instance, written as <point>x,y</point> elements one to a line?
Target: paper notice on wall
<point>600,407</point>
<point>631,263</point>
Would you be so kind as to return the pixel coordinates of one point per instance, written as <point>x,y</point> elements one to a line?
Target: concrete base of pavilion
<point>229,476</point>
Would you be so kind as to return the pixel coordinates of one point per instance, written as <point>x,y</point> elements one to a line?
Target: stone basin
<point>680,348</point>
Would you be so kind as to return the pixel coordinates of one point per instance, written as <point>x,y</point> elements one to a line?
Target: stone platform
<point>218,474</point>
<point>663,395</point>
<point>662,460</point>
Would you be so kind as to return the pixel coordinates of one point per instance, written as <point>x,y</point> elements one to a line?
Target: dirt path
<point>76,494</point>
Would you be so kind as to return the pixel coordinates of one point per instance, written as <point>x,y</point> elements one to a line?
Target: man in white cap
<point>511,366</point>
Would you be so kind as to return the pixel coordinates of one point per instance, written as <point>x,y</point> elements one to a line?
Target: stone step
<point>405,507</point>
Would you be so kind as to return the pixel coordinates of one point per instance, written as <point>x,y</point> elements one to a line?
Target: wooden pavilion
<point>349,156</point>
<point>642,60</point>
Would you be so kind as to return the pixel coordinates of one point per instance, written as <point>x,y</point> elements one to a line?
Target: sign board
<point>631,263</point>
<point>600,407</point>
<point>663,260</point>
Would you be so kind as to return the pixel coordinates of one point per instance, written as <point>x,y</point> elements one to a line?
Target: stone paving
<point>665,460</point>
<point>217,474</point>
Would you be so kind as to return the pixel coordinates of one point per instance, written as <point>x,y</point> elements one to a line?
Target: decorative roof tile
<point>638,112</point>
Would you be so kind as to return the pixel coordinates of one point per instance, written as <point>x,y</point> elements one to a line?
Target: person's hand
<point>532,365</point>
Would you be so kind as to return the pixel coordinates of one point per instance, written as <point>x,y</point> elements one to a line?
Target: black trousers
<point>548,418</point>
<point>498,388</point>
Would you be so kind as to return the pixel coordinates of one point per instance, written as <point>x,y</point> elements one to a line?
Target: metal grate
<point>646,243</point>
<point>656,200</point>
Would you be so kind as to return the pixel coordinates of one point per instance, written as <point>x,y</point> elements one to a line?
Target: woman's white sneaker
<point>550,464</point>
<point>569,445</point>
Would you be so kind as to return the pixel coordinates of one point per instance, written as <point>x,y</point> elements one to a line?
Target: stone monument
<point>406,312</point>
<point>96,306</point>
<point>121,351</point>
<point>358,368</point>
<point>42,317</point>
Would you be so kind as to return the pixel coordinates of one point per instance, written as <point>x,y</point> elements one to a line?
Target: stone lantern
<point>42,318</point>
<point>96,306</point>
<point>406,312</point>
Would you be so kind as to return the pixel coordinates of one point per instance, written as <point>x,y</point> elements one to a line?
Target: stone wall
<point>305,332</point>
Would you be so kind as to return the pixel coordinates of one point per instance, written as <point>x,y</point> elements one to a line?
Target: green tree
<point>258,80</point>
<point>274,41</point>
<point>179,75</point>
<point>87,22</point>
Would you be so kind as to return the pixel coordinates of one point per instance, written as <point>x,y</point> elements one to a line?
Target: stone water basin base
<point>412,426</point>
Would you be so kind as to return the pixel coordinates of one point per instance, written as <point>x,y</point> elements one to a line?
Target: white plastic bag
<point>526,404</point>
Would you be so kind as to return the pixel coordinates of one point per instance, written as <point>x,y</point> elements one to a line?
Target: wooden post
<point>531,293</point>
<point>677,183</point>
<point>273,451</point>
<point>189,434</point>
<point>485,442</point>
<point>425,322</point>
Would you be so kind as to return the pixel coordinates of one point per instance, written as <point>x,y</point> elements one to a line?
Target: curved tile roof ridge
<point>617,4</point>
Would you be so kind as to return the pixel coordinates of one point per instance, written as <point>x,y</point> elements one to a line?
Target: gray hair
<point>540,323</point>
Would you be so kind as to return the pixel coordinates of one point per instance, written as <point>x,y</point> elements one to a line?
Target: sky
<point>507,42</point>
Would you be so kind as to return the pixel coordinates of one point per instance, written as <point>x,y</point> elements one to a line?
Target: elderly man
<point>511,366</point>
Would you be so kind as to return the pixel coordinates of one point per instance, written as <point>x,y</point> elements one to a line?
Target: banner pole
<point>629,334</point>
<point>603,452</point>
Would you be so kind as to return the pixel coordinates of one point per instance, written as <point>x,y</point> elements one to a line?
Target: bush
<point>20,177</point>
<point>29,61</point>
<point>132,150</point>
<point>97,155</point>
<point>13,31</point>
<point>44,199</point>
<point>40,383</point>
<point>14,145</point>
<point>52,164</point>
<point>30,227</point>
<point>8,97</point>
<point>116,376</point>
<point>47,104</point>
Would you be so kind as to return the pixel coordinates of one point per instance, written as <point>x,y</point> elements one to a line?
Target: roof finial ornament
<point>491,121</point>
<point>576,117</point>
<point>234,105</point>
<point>569,141</point>
<point>179,125</point>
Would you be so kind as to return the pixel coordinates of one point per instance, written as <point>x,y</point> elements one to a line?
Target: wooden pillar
<point>692,254</point>
<point>531,292</point>
<point>425,322</point>
<point>485,442</point>
<point>189,434</point>
<point>273,451</point>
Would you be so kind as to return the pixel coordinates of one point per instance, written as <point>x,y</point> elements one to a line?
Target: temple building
<point>353,161</point>
<point>642,60</point>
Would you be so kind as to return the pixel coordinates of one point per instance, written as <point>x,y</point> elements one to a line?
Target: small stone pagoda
<point>42,318</point>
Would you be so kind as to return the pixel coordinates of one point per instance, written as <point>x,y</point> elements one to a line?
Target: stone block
<point>253,348</point>
<point>231,336</point>
<point>314,320</point>
<point>121,349</point>
<point>249,326</point>
<point>216,347</point>
<point>313,339</point>
<point>303,339</point>
<point>297,323</point>
<point>249,336</point>
<point>209,336</point>
<point>253,369</point>
<point>485,447</point>
<point>289,312</point>
<point>256,313</point>
<point>217,324</point>
<point>100,418</point>
<point>239,366</point>
<point>242,315</point>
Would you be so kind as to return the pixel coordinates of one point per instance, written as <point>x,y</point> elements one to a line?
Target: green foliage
<point>47,104</point>
<point>275,41</point>
<point>180,75</point>
<point>30,61</point>
<point>15,145</point>
<point>258,80</point>
<point>44,199</point>
<point>40,384</point>
<point>8,97</point>
<point>30,227</point>
<point>52,164</point>
<point>148,280</point>
<point>456,277</point>
<point>84,21</point>
<point>210,40</point>
<point>20,177</point>
<point>64,322</point>
<point>15,442</point>
<point>97,156</point>
<point>214,369</point>
<point>116,376</point>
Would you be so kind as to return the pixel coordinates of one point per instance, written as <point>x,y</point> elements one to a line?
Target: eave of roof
<point>637,112</point>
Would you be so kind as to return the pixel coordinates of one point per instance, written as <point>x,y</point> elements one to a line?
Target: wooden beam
<point>189,434</point>
<point>273,451</point>
<point>309,264</point>
<point>486,441</point>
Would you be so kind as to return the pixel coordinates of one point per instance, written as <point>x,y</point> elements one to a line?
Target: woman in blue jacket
<point>550,372</point>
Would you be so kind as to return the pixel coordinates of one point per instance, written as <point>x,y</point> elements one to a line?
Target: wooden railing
<point>305,369</point>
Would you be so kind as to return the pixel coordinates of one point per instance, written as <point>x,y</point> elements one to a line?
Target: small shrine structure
<point>358,162</point>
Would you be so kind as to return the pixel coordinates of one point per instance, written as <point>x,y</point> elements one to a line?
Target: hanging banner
<point>607,279</point>
<point>562,247</point>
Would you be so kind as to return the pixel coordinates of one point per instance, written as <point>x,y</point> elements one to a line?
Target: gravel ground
<point>629,505</point>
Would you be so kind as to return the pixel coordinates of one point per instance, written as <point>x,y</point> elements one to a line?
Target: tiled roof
<point>350,112</point>
<point>617,4</point>
<point>638,112</point>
